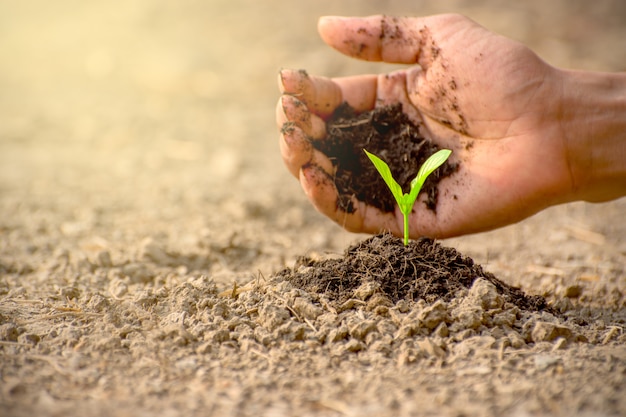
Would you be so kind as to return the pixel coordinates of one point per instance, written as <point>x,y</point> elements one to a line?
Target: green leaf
<point>385,172</point>
<point>406,201</point>
<point>432,163</point>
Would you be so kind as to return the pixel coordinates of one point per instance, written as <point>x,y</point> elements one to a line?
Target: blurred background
<point>134,118</point>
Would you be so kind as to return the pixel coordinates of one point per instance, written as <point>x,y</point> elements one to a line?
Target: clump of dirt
<point>422,270</point>
<point>388,133</point>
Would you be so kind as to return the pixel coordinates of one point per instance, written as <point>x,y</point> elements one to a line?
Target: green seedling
<point>407,200</point>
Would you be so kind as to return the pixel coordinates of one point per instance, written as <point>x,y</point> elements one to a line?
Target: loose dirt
<point>388,133</point>
<point>382,265</point>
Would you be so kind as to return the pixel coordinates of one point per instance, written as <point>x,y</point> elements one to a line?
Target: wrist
<point>593,119</point>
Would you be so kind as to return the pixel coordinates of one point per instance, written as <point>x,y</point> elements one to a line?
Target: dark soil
<point>388,133</point>
<point>422,270</point>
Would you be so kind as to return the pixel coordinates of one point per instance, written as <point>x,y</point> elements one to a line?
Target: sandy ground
<point>144,210</point>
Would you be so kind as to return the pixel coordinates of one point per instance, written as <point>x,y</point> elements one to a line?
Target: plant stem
<point>406,229</point>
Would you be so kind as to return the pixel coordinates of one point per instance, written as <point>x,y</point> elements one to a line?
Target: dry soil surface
<point>145,215</point>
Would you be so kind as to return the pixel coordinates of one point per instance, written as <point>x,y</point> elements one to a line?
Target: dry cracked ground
<point>145,219</point>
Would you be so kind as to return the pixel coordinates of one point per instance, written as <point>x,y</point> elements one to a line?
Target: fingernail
<point>284,99</point>
<point>294,105</point>
<point>293,81</point>
<point>281,116</point>
<point>281,80</point>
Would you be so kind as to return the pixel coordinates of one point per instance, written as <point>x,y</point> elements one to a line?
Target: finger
<point>392,89</point>
<point>375,38</point>
<point>323,95</point>
<point>323,163</point>
<point>292,110</point>
<point>320,94</point>
<point>295,148</point>
<point>320,188</point>
<point>359,91</point>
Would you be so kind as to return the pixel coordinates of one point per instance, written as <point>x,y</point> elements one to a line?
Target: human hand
<point>488,98</point>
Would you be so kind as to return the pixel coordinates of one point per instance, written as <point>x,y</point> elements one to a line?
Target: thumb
<point>374,38</point>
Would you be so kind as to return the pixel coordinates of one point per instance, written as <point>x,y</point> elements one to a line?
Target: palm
<point>479,94</point>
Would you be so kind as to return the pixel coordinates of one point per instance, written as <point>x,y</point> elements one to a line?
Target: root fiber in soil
<point>388,133</point>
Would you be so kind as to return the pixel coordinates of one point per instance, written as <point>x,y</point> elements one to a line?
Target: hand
<point>488,98</point>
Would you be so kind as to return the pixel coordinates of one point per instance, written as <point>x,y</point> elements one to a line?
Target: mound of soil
<point>388,133</point>
<point>422,270</point>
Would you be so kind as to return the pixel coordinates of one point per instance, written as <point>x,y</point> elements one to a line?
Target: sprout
<point>407,200</point>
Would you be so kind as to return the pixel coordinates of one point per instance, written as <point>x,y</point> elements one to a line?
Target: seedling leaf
<point>431,164</point>
<point>407,200</point>
<point>385,172</point>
